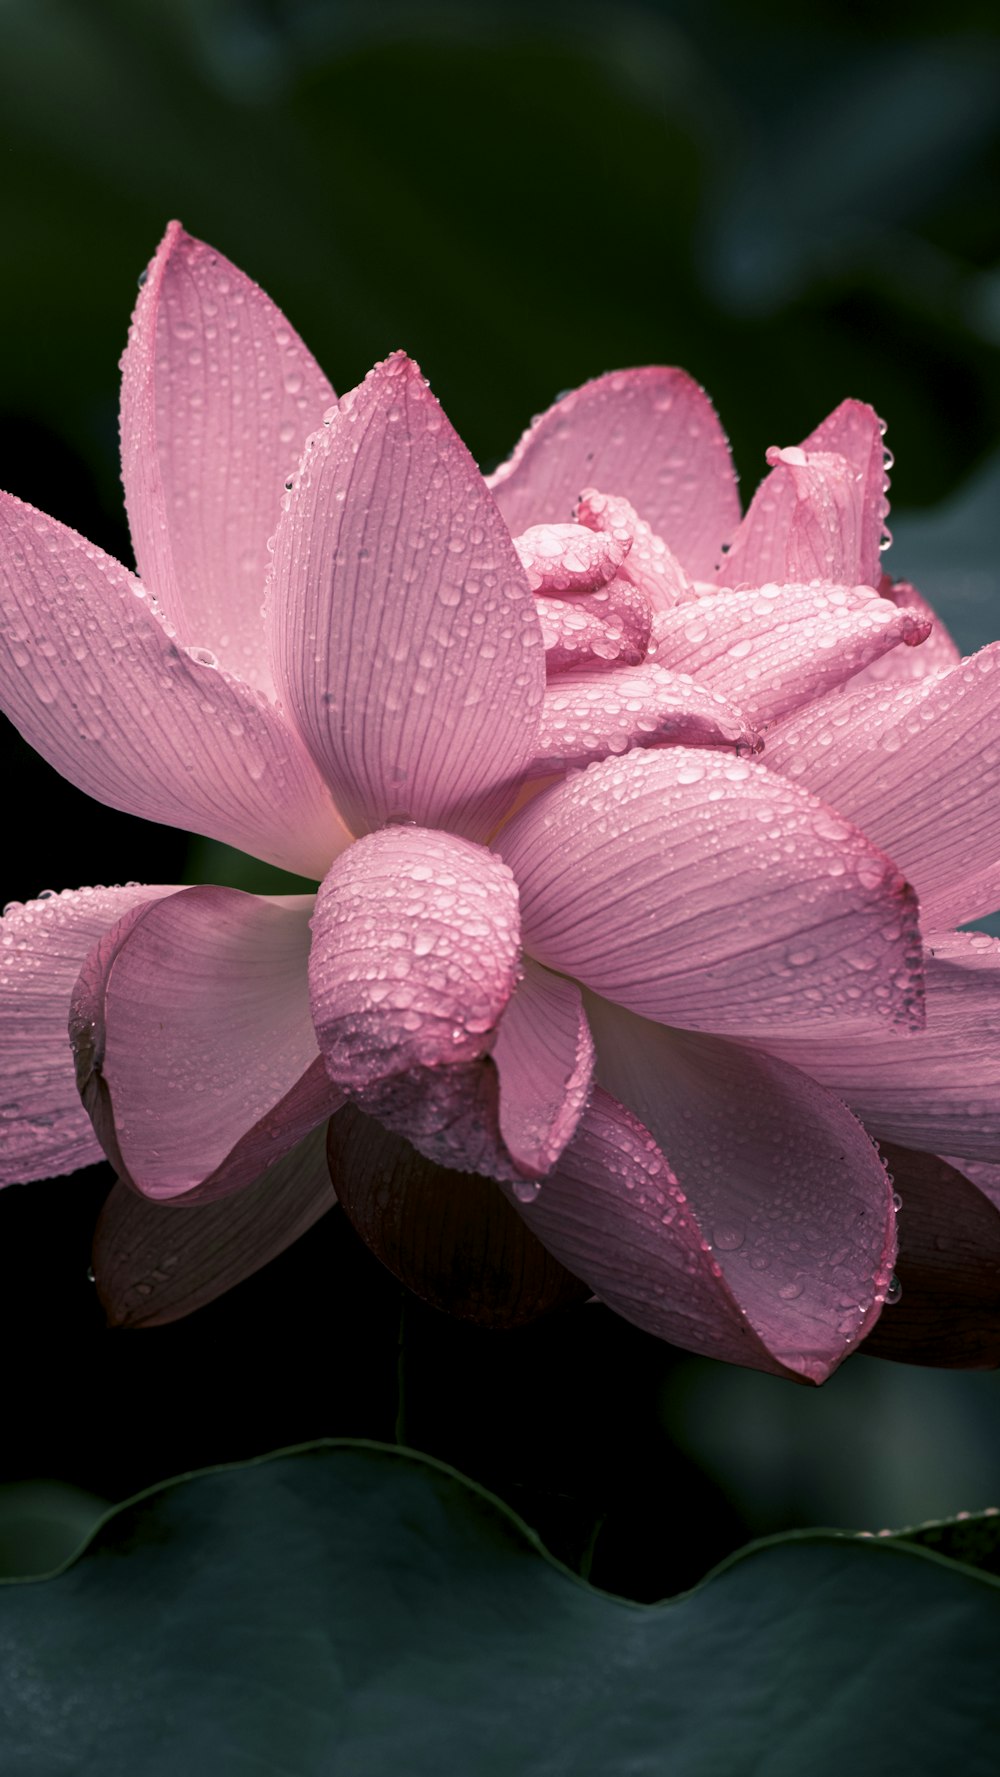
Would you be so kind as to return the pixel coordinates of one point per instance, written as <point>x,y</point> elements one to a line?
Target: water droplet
<point>893,1292</point>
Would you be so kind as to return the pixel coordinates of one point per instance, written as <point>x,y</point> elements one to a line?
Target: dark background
<point>794,206</point>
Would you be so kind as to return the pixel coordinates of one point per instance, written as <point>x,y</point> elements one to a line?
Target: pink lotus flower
<point>587,985</point>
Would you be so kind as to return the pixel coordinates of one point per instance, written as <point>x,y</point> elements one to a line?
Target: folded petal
<point>560,558</point>
<point>589,715</point>
<point>741,1249</point>
<point>917,766</point>
<point>96,681</point>
<point>156,1262</point>
<point>774,648</point>
<point>649,564</point>
<point>936,652</point>
<point>544,1057</point>
<point>196,1055</point>
<point>403,630</point>
<point>937,1088</point>
<point>218,397</point>
<point>451,1237</point>
<point>415,945</point>
<point>651,435</point>
<point>43,945</point>
<point>694,889</point>
<point>820,513</point>
<point>948,1267</point>
<point>785,1185</point>
<point>599,630</point>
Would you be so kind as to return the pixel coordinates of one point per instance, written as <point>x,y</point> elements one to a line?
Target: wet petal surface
<point>692,888</point>
<point>404,634</point>
<point>95,680</point>
<point>218,397</point>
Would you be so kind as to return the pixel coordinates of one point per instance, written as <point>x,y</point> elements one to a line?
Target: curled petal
<point>218,397</point>
<point>561,558</point>
<point>156,1262</point>
<point>544,1057</point>
<point>937,652</point>
<point>414,955</point>
<point>403,630</point>
<point>601,630</point>
<point>937,1088</point>
<point>97,682</point>
<point>450,1237</point>
<point>949,1268</point>
<point>587,716</point>
<point>196,1056</point>
<point>784,1187</point>
<point>820,513</point>
<point>692,888</point>
<point>649,564</point>
<point>918,767</point>
<point>43,945</point>
<point>773,648</point>
<point>651,435</point>
<point>662,1242</point>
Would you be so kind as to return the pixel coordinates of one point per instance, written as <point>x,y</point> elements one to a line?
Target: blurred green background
<point>794,206</point>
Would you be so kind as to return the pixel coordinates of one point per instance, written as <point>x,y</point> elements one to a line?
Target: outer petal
<point>218,397</point>
<point>451,1237</point>
<point>587,715</point>
<point>821,511</point>
<point>693,889</point>
<point>544,1055</point>
<point>43,944</point>
<point>776,647</point>
<point>782,1183</point>
<point>948,1266</point>
<point>97,683</point>
<point>403,630</point>
<point>936,1089</point>
<point>918,767</point>
<point>651,435</point>
<point>156,1262</point>
<point>673,1246</point>
<point>414,955</point>
<point>196,1055</point>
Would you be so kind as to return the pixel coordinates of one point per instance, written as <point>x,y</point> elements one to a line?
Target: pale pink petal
<point>404,632</point>
<point>651,435</point>
<point>414,954</point>
<point>917,766</point>
<point>694,889</point>
<point>935,653</point>
<point>43,944</point>
<point>649,564</point>
<point>773,648</point>
<point>95,680</point>
<point>599,630</point>
<point>935,1089</point>
<point>948,1313</point>
<point>768,1241</point>
<point>587,716</point>
<point>559,558</point>
<point>218,397</point>
<point>450,1236</point>
<point>196,1055</point>
<point>820,513</point>
<point>544,1056</point>
<point>155,1262</point>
